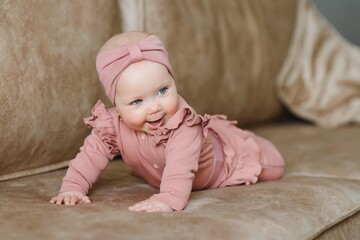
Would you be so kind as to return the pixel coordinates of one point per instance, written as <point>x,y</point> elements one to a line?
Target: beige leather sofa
<point>275,66</point>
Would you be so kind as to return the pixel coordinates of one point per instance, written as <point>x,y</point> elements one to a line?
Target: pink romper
<point>190,152</point>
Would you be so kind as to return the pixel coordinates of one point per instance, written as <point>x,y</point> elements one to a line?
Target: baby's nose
<point>154,108</point>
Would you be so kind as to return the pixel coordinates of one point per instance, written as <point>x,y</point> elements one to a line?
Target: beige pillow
<point>225,54</point>
<point>48,80</point>
<point>320,80</point>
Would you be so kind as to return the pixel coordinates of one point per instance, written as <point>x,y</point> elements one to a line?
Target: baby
<point>157,133</point>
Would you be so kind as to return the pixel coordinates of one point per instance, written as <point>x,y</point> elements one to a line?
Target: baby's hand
<point>150,206</point>
<point>70,198</point>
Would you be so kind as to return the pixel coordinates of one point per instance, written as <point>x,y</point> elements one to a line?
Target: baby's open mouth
<point>156,124</point>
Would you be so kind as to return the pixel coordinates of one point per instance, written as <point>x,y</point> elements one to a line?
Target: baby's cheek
<point>133,120</point>
<point>174,106</point>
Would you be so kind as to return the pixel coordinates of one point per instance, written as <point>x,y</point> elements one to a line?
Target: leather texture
<point>346,229</point>
<point>48,79</point>
<point>226,56</point>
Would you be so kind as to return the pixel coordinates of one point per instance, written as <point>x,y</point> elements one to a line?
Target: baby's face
<point>146,96</point>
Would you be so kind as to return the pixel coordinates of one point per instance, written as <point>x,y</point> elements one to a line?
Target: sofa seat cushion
<point>291,208</point>
<point>317,152</point>
<point>300,206</point>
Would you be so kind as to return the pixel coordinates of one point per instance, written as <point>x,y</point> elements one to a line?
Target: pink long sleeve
<point>182,158</point>
<point>99,148</point>
<point>85,169</point>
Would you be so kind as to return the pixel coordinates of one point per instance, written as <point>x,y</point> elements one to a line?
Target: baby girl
<point>161,138</point>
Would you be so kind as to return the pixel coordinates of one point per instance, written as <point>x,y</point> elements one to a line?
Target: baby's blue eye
<point>163,91</point>
<point>136,102</point>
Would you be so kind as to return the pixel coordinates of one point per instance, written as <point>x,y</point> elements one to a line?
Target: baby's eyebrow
<point>134,99</point>
<point>167,81</point>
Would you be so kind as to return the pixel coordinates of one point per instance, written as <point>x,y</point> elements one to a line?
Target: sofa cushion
<point>229,50</point>
<point>320,79</point>
<point>299,206</point>
<point>317,152</point>
<point>48,79</point>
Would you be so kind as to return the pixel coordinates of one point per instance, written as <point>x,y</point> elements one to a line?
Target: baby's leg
<point>271,173</point>
<point>273,164</point>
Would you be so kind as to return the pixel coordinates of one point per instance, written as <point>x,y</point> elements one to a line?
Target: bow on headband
<point>111,63</point>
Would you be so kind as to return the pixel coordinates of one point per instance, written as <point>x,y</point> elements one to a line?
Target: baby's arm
<point>83,171</point>
<point>182,157</point>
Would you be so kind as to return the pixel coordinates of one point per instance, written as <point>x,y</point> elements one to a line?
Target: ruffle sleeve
<point>102,122</point>
<point>98,149</point>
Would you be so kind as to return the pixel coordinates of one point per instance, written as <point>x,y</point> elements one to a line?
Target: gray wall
<point>344,16</point>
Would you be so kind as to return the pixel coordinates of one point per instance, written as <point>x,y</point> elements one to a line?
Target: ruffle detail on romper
<point>240,150</point>
<point>102,122</point>
<point>184,115</point>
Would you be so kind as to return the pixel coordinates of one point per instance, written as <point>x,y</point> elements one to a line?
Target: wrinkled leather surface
<point>230,50</point>
<point>48,80</point>
<point>299,206</point>
<point>347,229</point>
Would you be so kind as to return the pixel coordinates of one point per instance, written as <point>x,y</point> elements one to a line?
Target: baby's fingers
<point>71,200</point>
<point>140,206</point>
<point>53,200</point>
<point>150,206</point>
<point>85,199</point>
<point>57,200</point>
<point>145,206</point>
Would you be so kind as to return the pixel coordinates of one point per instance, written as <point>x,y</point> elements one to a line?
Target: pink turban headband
<point>111,63</point>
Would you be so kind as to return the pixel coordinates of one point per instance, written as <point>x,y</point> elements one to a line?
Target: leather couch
<point>246,59</point>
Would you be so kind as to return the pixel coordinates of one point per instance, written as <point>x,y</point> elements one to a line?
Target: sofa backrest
<point>48,80</point>
<point>225,54</point>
